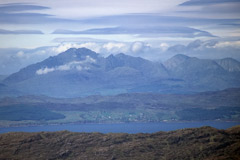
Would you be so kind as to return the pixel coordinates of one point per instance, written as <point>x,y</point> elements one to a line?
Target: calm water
<point>122,127</point>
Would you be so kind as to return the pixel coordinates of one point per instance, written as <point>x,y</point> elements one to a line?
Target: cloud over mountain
<point>78,65</point>
<point>14,59</point>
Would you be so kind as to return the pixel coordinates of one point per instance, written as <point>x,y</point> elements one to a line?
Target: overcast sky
<point>32,30</point>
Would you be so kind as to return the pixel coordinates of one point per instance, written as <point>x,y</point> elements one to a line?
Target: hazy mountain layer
<point>81,72</point>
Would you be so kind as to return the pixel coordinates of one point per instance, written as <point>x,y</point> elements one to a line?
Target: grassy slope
<point>197,143</point>
<point>27,112</point>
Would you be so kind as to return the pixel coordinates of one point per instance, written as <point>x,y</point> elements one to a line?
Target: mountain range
<point>82,72</point>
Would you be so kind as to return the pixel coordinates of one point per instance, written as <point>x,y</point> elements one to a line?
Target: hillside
<point>196,143</point>
<point>123,108</point>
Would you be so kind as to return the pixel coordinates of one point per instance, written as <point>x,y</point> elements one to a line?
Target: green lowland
<point>123,108</point>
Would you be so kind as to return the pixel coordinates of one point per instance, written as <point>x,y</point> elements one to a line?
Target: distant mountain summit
<point>70,59</point>
<point>175,61</point>
<point>81,72</point>
<point>229,64</point>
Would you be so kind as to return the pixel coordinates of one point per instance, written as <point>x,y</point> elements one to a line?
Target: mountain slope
<point>196,143</point>
<point>5,90</point>
<point>79,72</point>
<point>67,74</point>
<point>229,64</point>
<point>70,59</point>
<point>175,61</point>
<point>202,74</point>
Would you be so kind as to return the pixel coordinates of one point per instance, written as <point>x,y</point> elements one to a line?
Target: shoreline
<point>130,128</point>
<point>89,123</point>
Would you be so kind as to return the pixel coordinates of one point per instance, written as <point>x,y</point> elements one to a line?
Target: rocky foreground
<point>197,143</point>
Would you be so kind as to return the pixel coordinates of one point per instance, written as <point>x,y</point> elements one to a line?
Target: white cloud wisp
<point>78,65</point>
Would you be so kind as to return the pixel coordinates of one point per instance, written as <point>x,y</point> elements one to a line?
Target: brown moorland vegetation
<point>196,143</point>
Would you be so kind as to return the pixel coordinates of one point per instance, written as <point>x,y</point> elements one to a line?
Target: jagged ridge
<point>81,72</point>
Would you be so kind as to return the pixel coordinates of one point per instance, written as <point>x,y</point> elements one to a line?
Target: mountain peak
<point>79,52</point>
<point>73,58</point>
<point>110,56</point>
<point>175,61</point>
<point>229,64</point>
<point>180,57</point>
<point>119,55</point>
<point>71,50</point>
<point>78,49</point>
<point>229,59</point>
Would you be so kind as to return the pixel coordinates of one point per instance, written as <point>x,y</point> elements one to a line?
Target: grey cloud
<point>211,43</point>
<point>206,2</point>
<point>195,44</point>
<point>23,18</point>
<point>77,39</point>
<point>179,48</point>
<point>30,18</point>
<point>16,7</point>
<point>14,13</point>
<point>176,31</point>
<point>154,19</point>
<point>201,44</point>
<point>3,31</point>
<point>63,31</point>
<point>231,24</point>
<point>192,46</point>
<point>216,8</point>
<point>133,20</point>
